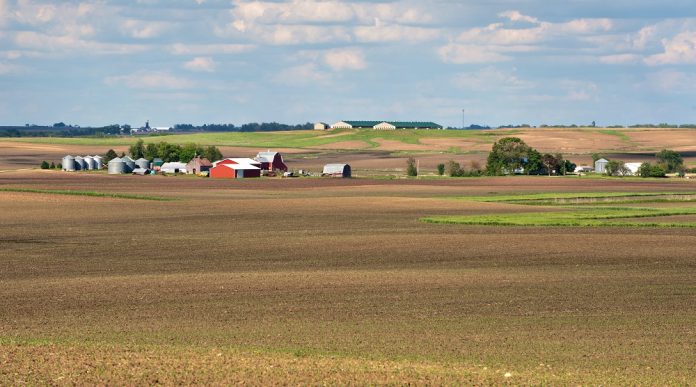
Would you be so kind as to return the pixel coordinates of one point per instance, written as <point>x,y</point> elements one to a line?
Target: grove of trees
<point>511,155</point>
<point>173,152</point>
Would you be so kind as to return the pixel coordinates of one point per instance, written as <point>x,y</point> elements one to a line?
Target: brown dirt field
<point>14,155</point>
<point>675,139</point>
<point>571,142</point>
<point>333,281</point>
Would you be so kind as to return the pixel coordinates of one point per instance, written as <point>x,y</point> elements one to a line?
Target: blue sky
<point>208,61</point>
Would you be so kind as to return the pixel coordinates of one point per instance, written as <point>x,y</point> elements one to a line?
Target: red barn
<point>271,161</point>
<point>235,169</point>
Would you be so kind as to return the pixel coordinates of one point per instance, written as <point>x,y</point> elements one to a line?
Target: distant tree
<point>212,153</point>
<point>534,164</point>
<point>53,165</point>
<point>669,160</point>
<point>453,168</point>
<point>45,165</point>
<point>59,166</point>
<point>441,169</point>
<point>137,150</point>
<point>650,170</point>
<point>126,129</point>
<point>150,151</point>
<point>552,163</point>
<point>189,151</point>
<point>59,125</point>
<point>411,168</point>
<point>508,154</point>
<point>110,155</point>
<point>568,166</point>
<point>617,168</point>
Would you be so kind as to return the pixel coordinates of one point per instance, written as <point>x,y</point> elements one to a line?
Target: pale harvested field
<point>333,281</point>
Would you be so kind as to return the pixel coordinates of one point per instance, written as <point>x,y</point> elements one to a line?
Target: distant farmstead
<point>385,125</point>
<point>337,170</point>
<point>271,161</point>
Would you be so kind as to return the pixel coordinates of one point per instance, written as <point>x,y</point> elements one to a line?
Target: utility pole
<point>463,121</point>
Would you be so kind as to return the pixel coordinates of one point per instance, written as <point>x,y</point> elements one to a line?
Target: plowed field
<point>336,281</point>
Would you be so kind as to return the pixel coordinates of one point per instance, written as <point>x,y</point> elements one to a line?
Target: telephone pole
<point>463,121</point>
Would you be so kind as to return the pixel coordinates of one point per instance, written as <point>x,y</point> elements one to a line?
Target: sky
<point>492,62</point>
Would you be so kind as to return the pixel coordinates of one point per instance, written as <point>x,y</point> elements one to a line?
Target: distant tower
<point>147,124</point>
<point>463,121</point>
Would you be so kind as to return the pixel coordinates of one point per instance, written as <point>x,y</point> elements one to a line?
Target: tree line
<point>167,152</point>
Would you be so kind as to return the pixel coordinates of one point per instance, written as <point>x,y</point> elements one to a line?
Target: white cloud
<point>620,59</point>
<point>208,49</point>
<point>143,29</point>
<point>9,68</point>
<point>150,80</point>
<point>681,49</point>
<point>461,54</point>
<point>517,16</point>
<point>201,64</point>
<point>394,33</point>
<point>66,43</point>
<point>345,59</point>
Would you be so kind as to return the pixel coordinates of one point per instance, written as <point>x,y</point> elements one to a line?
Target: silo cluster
<point>81,163</point>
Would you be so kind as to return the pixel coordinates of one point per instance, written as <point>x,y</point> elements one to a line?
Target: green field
<point>593,209</point>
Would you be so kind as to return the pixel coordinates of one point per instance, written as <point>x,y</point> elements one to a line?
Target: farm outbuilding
<point>142,163</point>
<point>117,166</point>
<point>600,166</point>
<point>198,164</point>
<point>234,171</point>
<point>271,161</point>
<point>337,170</point>
<point>173,167</point>
<point>68,163</point>
<point>130,163</point>
<point>98,162</point>
<point>321,126</point>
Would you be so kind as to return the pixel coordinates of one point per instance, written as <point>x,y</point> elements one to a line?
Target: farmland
<point>336,281</point>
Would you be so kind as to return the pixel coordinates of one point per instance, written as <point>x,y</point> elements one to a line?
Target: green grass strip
<point>88,193</point>
<point>549,198</point>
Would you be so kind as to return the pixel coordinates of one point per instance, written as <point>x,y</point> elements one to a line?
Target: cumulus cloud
<point>143,29</point>
<point>67,43</point>
<point>681,49</point>
<point>461,54</point>
<point>300,75</point>
<point>201,64</point>
<point>150,80</point>
<point>394,33</point>
<point>517,16</point>
<point>345,59</point>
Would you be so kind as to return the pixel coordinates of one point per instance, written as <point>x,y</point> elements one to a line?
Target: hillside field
<point>382,152</point>
<point>335,281</point>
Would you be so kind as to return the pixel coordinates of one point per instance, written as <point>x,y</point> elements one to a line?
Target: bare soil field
<point>333,281</point>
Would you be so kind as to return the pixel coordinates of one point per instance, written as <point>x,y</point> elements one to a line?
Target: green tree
<point>568,166</point>
<point>110,155</point>
<point>669,160</point>
<point>44,165</point>
<point>441,169</point>
<point>411,168</point>
<point>137,150</point>
<point>454,169</point>
<point>533,164</point>
<point>650,170</point>
<point>150,151</point>
<point>212,153</point>
<point>617,168</point>
<point>53,165</point>
<point>189,151</point>
<point>508,154</point>
<point>552,163</point>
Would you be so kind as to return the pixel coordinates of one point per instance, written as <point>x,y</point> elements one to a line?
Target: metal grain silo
<point>117,166</point>
<point>80,163</point>
<point>89,161</point>
<point>98,162</point>
<point>68,163</point>
<point>142,163</point>
<point>130,164</point>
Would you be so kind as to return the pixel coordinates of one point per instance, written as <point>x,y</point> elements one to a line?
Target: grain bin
<point>142,163</point>
<point>98,162</point>
<point>130,164</point>
<point>68,163</point>
<point>89,161</point>
<point>80,163</point>
<point>117,166</point>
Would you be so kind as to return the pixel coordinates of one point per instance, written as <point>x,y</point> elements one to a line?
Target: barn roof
<point>238,160</point>
<point>266,157</point>
<point>335,168</point>
<point>239,166</point>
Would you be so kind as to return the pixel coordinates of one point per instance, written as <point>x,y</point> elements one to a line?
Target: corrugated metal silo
<point>130,164</point>
<point>80,163</point>
<point>89,161</point>
<point>142,163</point>
<point>98,162</point>
<point>117,166</point>
<point>68,163</point>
